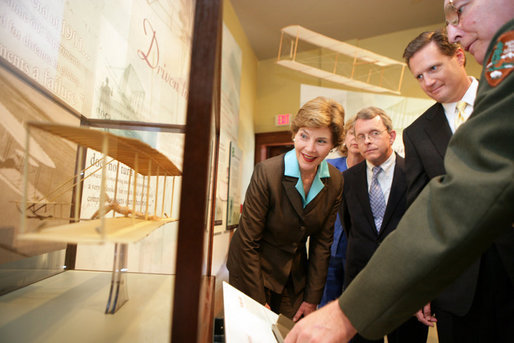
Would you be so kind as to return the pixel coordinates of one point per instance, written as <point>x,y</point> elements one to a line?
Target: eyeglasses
<point>452,13</point>
<point>372,135</point>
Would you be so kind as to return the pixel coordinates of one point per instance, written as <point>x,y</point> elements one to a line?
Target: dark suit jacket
<point>425,143</point>
<point>269,245</point>
<point>363,238</point>
<point>426,140</point>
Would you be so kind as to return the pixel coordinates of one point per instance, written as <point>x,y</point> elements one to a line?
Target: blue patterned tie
<point>376,199</point>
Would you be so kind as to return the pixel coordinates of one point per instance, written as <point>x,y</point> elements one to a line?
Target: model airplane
<point>344,63</point>
<point>127,224</point>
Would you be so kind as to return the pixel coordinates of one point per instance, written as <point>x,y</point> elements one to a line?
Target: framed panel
<point>121,59</point>
<point>234,187</point>
<point>202,113</point>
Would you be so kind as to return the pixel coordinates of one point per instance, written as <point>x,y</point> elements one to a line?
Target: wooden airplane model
<point>127,224</point>
<point>345,63</point>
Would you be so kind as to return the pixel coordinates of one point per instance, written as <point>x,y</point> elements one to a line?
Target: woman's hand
<point>305,309</point>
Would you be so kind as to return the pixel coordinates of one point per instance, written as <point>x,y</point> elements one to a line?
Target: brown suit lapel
<point>289,184</point>
<point>311,205</point>
<point>292,194</point>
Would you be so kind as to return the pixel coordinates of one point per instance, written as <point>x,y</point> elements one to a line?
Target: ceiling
<point>340,19</point>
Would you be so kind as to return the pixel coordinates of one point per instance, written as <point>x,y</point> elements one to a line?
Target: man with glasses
<point>374,200</point>
<point>457,216</point>
<point>486,30</point>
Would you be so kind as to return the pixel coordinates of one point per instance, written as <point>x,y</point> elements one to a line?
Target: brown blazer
<point>269,245</point>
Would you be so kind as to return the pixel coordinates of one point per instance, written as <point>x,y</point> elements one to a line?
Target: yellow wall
<point>278,88</point>
<point>248,90</point>
<point>245,141</point>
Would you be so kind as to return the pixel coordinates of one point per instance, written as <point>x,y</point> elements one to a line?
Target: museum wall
<point>248,92</point>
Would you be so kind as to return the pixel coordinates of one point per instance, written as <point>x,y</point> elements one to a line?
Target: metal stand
<point>118,294</point>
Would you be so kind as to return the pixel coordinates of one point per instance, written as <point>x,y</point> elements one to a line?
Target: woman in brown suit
<point>291,197</point>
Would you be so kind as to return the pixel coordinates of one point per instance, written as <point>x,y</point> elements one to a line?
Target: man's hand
<point>328,325</point>
<point>305,309</point>
<point>425,316</point>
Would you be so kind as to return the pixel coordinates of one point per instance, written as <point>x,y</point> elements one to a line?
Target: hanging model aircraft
<point>332,60</point>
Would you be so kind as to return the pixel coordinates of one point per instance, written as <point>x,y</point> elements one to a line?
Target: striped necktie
<point>376,199</point>
<point>459,117</point>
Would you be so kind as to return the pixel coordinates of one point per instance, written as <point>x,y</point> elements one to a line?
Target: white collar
<point>469,97</point>
<point>386,166</point>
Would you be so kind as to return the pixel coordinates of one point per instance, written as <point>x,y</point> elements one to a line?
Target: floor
<point>70,307</point>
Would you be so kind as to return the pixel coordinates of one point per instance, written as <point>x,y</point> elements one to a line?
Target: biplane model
<point>118,221</point>
<point>345,63</point>
<point>128,223</point>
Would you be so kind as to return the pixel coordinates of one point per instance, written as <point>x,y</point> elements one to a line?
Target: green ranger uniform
<point>456,217</point>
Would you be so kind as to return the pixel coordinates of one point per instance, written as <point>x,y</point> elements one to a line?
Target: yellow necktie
<point>459,117</point>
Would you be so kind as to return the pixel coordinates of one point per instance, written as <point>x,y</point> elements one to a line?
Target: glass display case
<point>110,113</point>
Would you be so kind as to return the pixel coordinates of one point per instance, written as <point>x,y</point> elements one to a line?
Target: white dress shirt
<point>469,98</point>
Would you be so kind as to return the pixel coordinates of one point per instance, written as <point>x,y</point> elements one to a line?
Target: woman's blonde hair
<point>347,127</point>
<point>321,112</point>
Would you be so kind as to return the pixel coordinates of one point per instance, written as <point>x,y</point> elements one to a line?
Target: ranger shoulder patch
<point>501,61</point>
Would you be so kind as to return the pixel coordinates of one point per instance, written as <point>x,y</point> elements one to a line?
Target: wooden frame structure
<point>192,318</point>
<point>265,141</point>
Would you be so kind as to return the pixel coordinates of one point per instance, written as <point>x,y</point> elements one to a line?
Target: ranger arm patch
<point>501,61</point>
